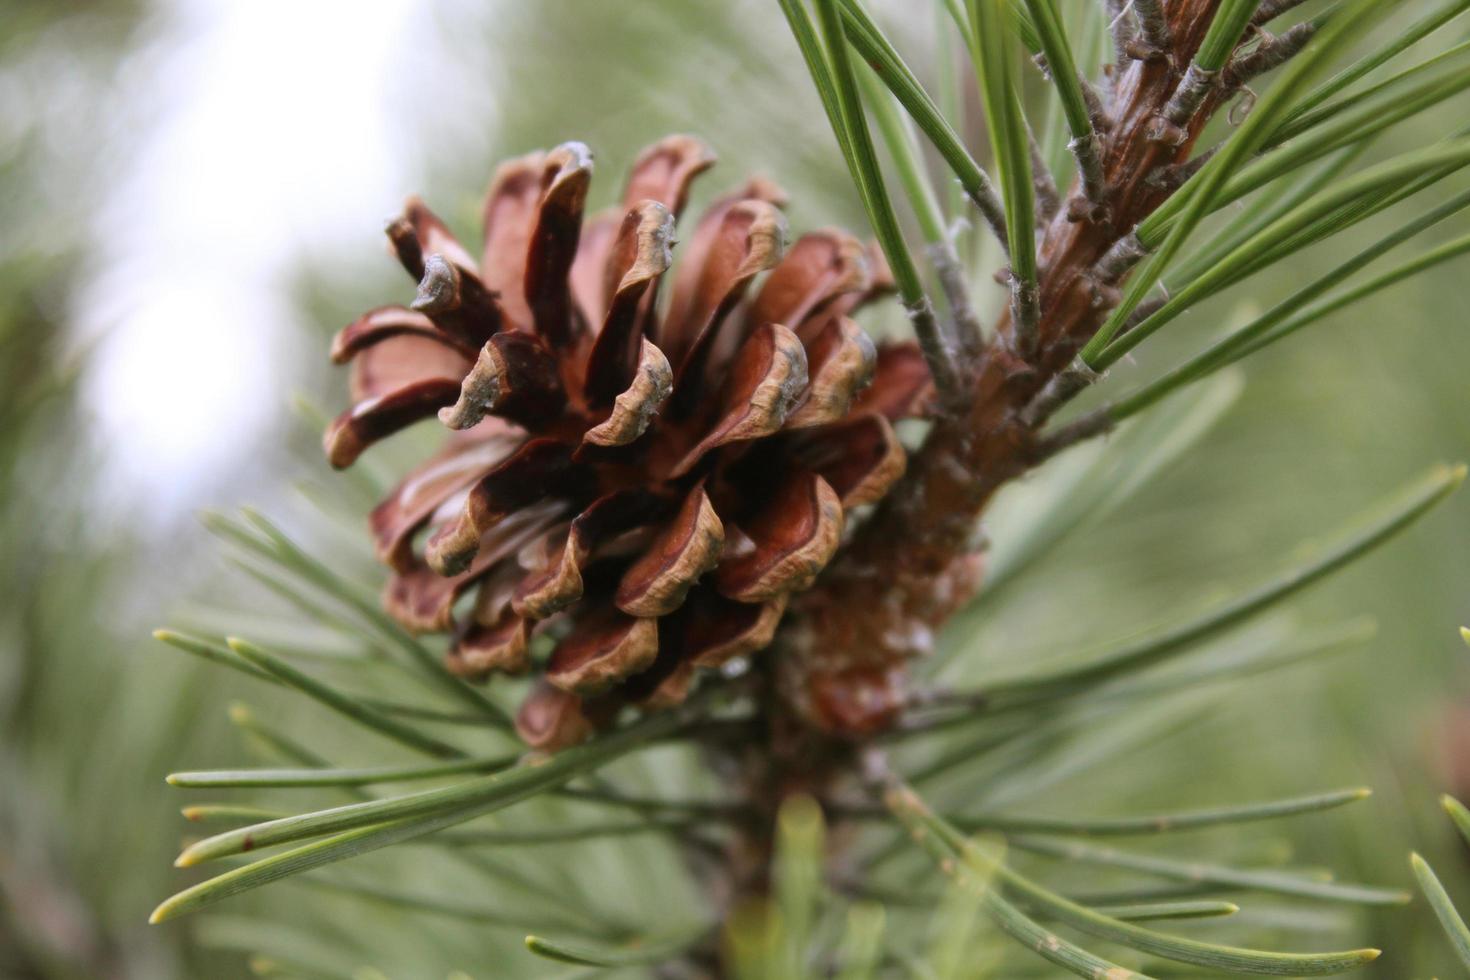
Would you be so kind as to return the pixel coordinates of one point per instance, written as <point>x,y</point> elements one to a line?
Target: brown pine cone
<point>645,487</point>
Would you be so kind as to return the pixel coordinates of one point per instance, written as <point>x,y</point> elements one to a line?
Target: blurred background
<point>191,202</point>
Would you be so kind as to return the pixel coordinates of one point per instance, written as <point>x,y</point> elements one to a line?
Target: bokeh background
<point>191,201</point>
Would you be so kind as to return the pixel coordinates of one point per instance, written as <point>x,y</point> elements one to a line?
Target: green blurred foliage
<point>92,715</point>
<point>82,703</point>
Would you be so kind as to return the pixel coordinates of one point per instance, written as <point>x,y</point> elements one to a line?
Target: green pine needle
<point>1252,879</point>
<point>265,540</point>
<point>634,952</point>
<point>801,839</point>
<point>1361,537</point>
<point>991,26</point>
<point>361,827</point>
<point>1327,213</point>
<point>1155,911</point>
<point>1068,84</point>
<point>829,62</point>
<point>894,73</point>
<point>473,797</point>
<point>228,813</point>
<point>862,942</point>
<point>1294,312</point>
<point>1363,121</point>
<point>1444,909</point>
<point>1228,25</point>
<point>344,704</point>
<point>216,653</point>
<point>1198,197</point>
<point>1393,44</point>
<point>1397,89</point>
<point>926,827</point>
<point>1458,814</point>
<point>279,778</point>
<point>1164,822</point>
<point>897,137</point>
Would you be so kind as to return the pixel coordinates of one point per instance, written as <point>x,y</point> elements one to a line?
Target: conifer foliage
<point>689,515</point>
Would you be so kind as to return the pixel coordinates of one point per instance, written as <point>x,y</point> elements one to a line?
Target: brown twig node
<point>1062,388</point>
<point>1184,103</point>
<point>1120,257</point>
<point>1270,53</point>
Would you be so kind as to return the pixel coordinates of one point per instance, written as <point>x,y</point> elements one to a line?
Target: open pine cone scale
<point>646,482</point>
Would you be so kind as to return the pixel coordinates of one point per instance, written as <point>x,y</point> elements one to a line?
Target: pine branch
<point>354,829</point>
<point>948,842</point>
<point>1198,196</point>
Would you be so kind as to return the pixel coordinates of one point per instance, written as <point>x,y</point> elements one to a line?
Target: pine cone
<point>647,489</point>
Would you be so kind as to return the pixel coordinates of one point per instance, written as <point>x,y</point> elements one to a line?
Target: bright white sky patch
<point>271,134</point>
